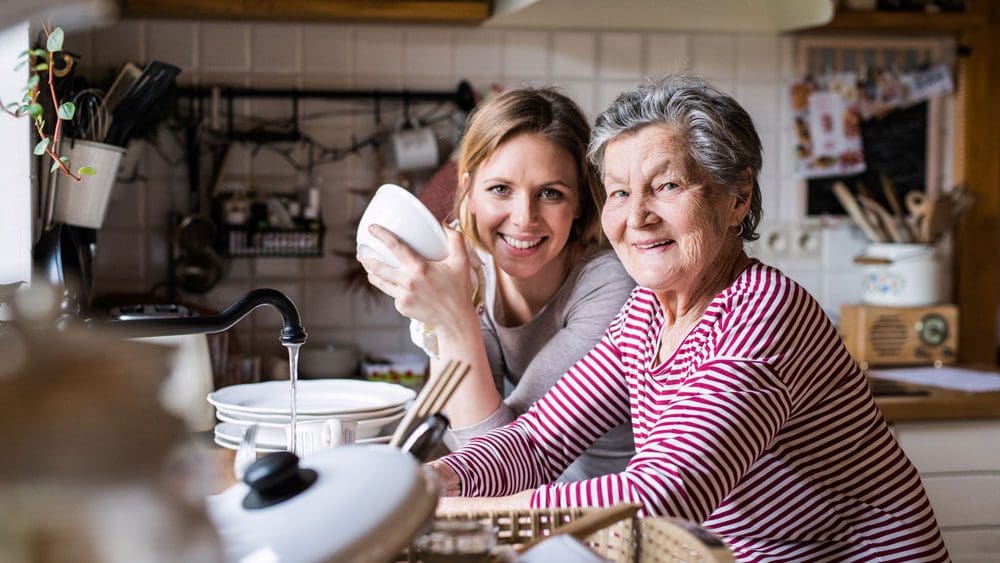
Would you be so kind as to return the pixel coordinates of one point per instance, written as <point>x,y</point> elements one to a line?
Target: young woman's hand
<point>434,293</point>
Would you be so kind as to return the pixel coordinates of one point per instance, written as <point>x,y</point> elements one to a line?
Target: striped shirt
<point>760,427</point>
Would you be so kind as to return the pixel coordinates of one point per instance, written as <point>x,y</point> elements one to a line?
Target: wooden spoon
<point>897,209</point>
<point>883,217</point>
<point>937,219</point>
<point>846,199</point>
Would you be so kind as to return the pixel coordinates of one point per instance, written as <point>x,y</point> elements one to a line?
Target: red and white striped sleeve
<point>590,399</point>
<point>699,444</point>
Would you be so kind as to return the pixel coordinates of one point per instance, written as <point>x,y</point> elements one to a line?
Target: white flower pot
<point>83,203</point>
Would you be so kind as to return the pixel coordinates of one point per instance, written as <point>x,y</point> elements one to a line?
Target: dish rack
<point>632,540</point>
<point>304,241</point>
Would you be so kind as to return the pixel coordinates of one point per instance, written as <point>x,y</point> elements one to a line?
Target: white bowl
<point>403,214</point>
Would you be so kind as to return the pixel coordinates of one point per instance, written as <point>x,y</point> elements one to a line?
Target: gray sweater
<point>527,360</point>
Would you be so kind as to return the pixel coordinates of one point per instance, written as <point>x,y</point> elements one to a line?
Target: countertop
<point>909,403</point>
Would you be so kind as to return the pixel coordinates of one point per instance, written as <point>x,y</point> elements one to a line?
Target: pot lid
<point>355,503</point>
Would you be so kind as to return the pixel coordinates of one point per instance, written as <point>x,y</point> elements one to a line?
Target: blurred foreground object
<point>86,447</point>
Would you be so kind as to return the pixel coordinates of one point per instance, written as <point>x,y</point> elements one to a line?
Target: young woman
<point>530,205</point>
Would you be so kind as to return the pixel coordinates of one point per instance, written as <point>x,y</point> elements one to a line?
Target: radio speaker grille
<point>888,335</point>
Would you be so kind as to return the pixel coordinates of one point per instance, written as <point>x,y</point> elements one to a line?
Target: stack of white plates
<point>376,407</point>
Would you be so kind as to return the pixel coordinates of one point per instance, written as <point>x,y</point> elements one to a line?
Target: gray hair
<point>720,135</point>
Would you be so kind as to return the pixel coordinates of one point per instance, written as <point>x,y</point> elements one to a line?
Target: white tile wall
<point>224,47</point>
<point>620,56</point>
<point>591,67</point>
<point>573,55</point>
<point>666,53</point>
<point>526,54</point>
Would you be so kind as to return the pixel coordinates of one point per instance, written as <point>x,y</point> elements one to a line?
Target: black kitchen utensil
<point>62,258</point>
<point>136,108</point>
<point>425,438</point>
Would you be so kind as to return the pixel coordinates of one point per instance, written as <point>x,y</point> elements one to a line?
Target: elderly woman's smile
<point>666,224</point>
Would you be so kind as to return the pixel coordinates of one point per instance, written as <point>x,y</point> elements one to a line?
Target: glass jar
<point>456,541</point>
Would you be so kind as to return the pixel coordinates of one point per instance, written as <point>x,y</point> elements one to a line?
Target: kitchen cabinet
<point>959,464</point>
<point>953,439</point>
<point>413,11</point>
<point>906,22</point>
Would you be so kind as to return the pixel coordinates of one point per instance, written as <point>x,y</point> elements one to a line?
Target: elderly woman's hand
<point>435,293</point>
<point>449,481</point>
<point>517,501</point>
<point>451,487</point>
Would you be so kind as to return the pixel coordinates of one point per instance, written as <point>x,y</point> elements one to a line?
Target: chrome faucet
<point>291,331</point>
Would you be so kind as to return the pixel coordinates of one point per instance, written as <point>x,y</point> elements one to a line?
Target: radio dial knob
<point>932,329</point>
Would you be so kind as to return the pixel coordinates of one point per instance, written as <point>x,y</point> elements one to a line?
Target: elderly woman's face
<point>666,224</point>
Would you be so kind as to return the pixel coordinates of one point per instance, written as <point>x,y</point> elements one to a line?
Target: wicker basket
<point>632,540</point>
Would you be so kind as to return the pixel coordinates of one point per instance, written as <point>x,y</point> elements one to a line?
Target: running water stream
<point>293,377</point>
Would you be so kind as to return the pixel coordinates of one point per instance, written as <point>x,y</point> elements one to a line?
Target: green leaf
<point>11,105</point>
<point>42,66</point>
<point>40,53</point>
<point>86,171</point>
<point>21,64</point>
<point>67,111</point>
<point>42,145</point>
<point>32,82</point>
<point>55,166</point>
<point>24,53</point>
<point>55,41</point>
<point>34,110</point>
<point>64,159</point>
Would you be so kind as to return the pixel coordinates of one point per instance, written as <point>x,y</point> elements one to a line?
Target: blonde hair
<point>540,111</point>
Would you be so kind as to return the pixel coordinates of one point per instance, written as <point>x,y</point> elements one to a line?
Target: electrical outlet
<point>781,243</point>
<point>805,241</point>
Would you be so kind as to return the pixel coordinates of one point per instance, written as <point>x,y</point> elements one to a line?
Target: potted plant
<point>83,202</point>
<point>43,61</point>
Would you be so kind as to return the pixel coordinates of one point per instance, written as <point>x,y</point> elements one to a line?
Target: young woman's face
<point>525,197</point>
<point>667,225</point>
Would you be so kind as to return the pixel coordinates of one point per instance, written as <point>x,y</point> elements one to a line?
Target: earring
<point>739,231</point>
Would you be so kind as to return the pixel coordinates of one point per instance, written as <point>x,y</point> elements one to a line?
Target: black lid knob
<point>275,478</point>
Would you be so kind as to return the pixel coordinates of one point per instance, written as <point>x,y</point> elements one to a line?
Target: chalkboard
<point>894,145</point>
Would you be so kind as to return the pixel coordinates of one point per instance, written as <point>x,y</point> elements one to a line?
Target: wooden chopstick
<point>588,523</point>
<point>850,204</point>
<point>461,370</point>
<point>426,395</point>
<point>897,208</point>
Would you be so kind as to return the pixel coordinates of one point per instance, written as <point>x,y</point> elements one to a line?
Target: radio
<point>899,336</point>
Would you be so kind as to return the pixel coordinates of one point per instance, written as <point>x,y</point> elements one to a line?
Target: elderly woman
<point>748,414</point>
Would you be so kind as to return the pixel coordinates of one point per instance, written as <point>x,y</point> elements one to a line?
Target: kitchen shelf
<point>415,11</point>
<point>903,22</point>
<point>247,242</point>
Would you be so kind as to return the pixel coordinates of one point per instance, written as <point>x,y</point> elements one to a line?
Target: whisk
<point>92,117</point>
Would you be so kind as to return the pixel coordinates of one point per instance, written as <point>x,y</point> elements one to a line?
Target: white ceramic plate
<point>315,396</point>
<point>275,433</point>
<point>243,417</point>
<point>261,448</point>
